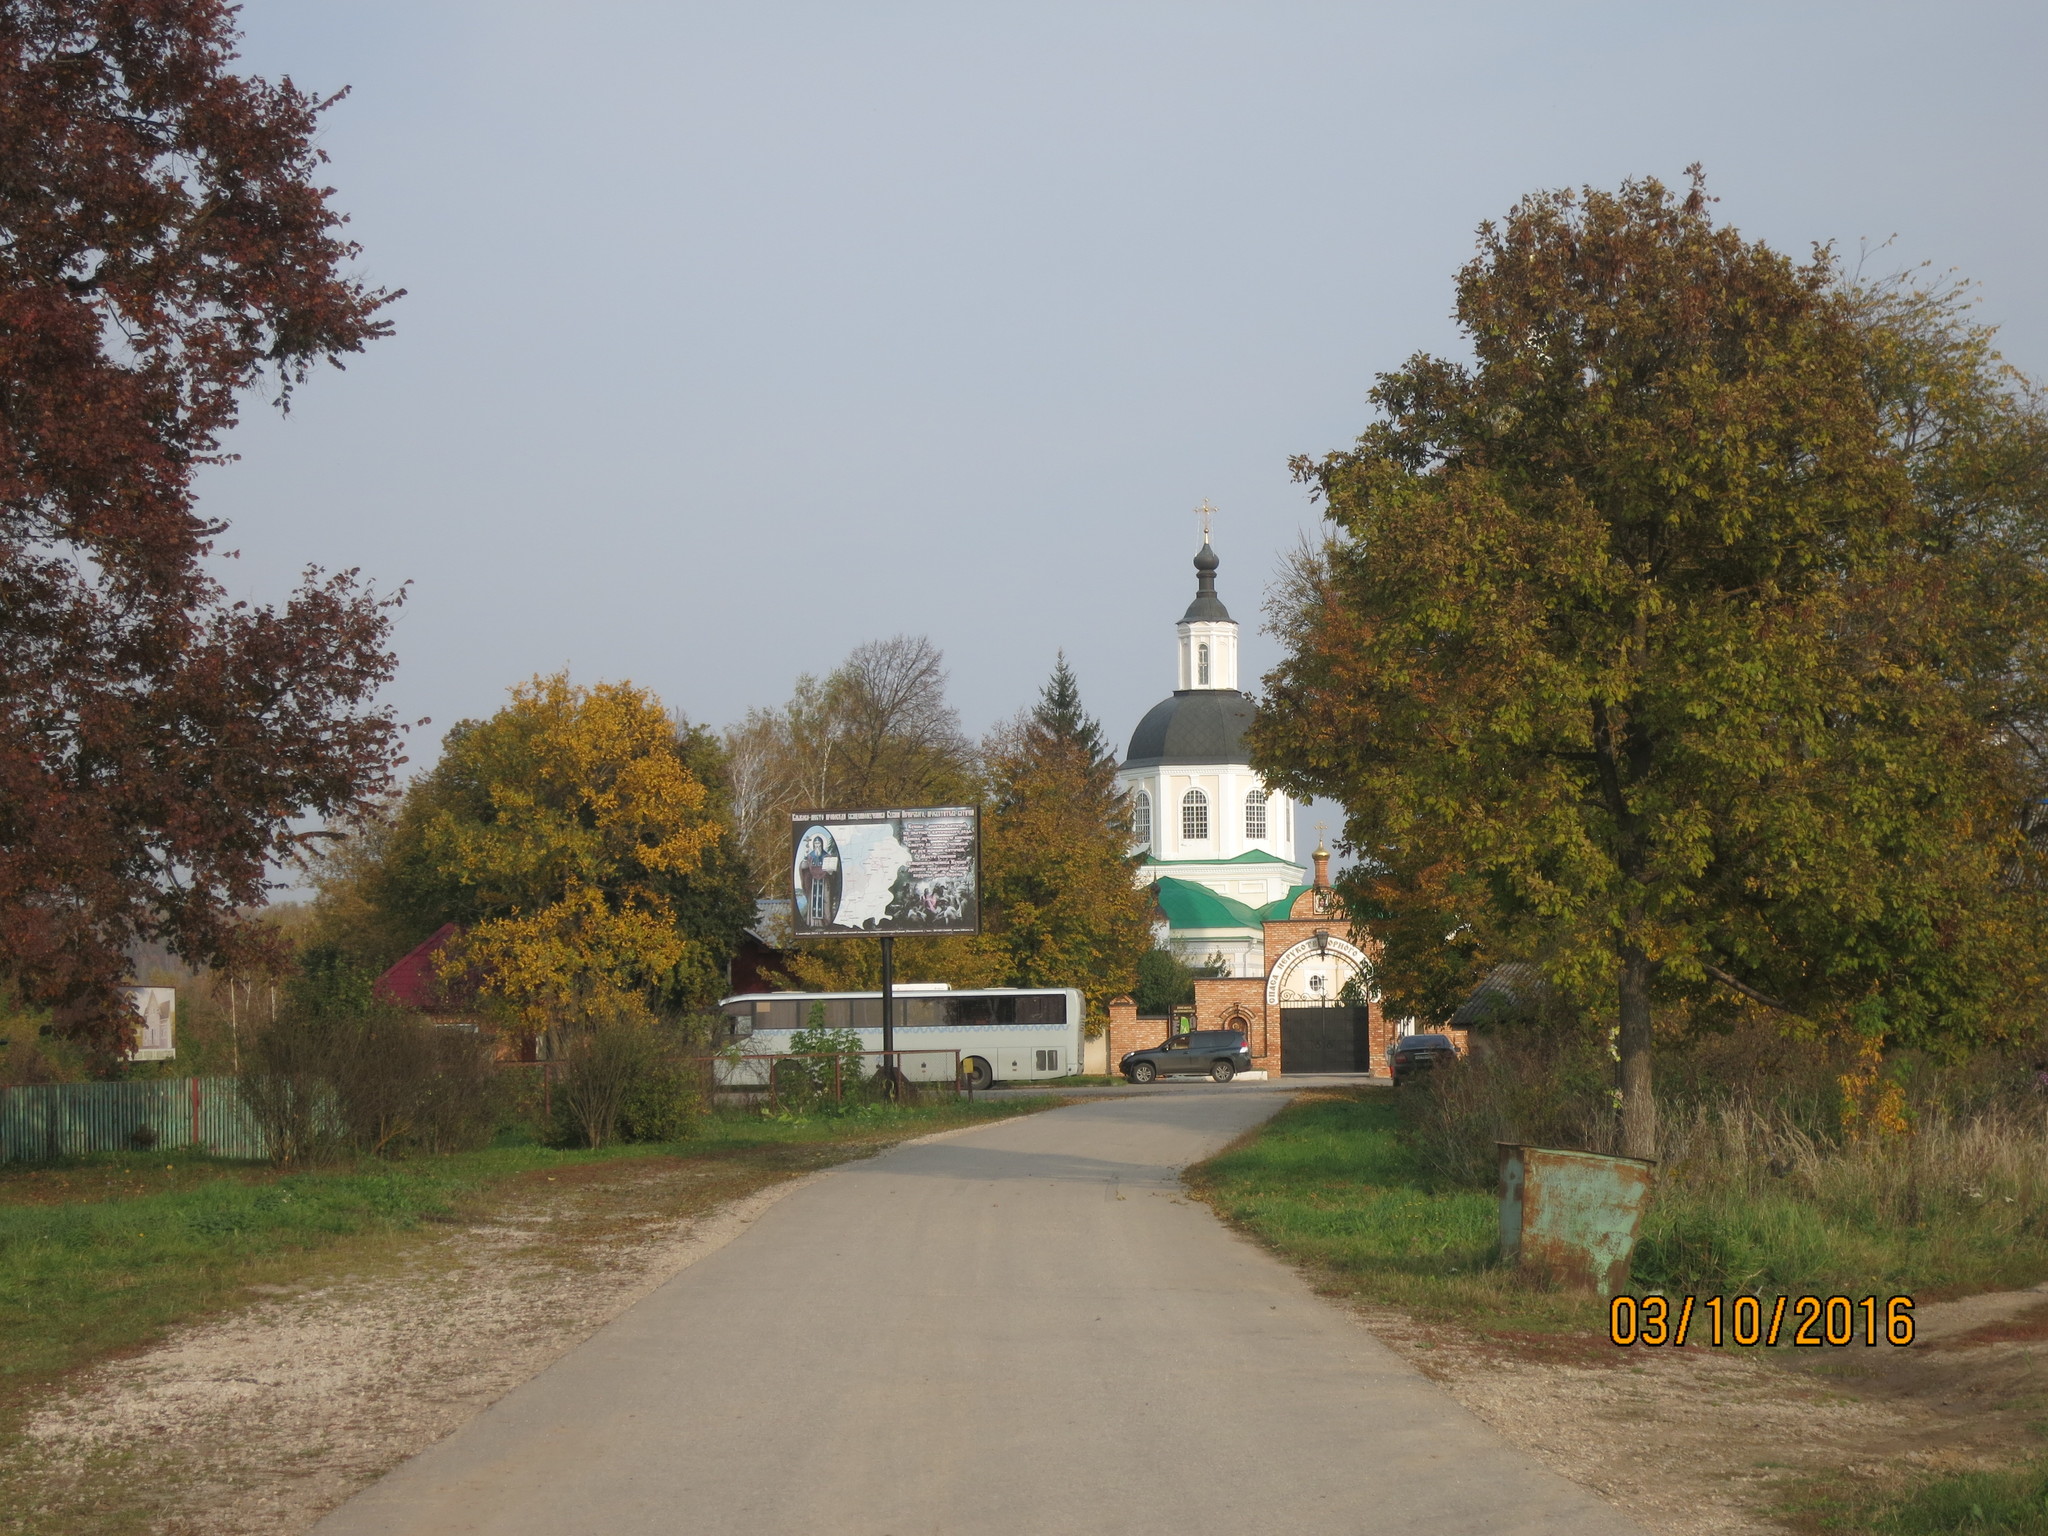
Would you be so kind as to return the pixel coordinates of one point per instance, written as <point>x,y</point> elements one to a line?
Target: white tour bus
<point>1008,1034</point>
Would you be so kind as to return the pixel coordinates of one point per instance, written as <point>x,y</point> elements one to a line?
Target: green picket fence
<point>66,1119</point>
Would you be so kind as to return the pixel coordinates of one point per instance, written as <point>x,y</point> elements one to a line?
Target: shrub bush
<point>284,1083</point>
<point>626,1075</point>
<point>1543,1086</point>
<point>833,1067</point>
<point>667,1101</point>
<point>606,1058</point>
<point>382,1081</point>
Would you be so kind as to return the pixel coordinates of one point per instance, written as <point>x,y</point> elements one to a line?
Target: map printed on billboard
<point>887,872</point>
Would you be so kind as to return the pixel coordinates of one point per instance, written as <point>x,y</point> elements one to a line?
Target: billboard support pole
<point>888,1015</point>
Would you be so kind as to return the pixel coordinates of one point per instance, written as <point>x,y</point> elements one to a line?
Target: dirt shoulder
<point>258,1421</point>
<point>1704,1442</point>
<point>1721,1442</point>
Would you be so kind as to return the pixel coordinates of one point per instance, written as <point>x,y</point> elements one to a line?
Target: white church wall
<point>1226,785</point>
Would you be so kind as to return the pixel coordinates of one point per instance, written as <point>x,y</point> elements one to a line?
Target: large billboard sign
<point>886,872</point>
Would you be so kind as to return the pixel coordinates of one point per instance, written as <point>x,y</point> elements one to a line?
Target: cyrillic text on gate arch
<point>1294,954</point>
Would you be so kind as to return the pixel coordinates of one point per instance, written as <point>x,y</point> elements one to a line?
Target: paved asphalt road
<point>1023,1329</point>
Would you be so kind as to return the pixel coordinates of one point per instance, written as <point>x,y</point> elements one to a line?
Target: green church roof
<point>1251,856</point>
<point>1188,905</point>
<point>1279,911</point>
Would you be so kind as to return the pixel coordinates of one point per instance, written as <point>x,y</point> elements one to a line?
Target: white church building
<point>1218,843</point>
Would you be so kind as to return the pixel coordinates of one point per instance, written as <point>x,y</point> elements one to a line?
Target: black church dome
<point>1195,726</point>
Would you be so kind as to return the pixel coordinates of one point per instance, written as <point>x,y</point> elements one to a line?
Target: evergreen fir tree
<point>1060,901</point>
<point>1058,717</point>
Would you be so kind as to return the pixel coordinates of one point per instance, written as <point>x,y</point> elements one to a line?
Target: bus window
<point>778,1014</point>
<point>921,1012</point>
<point>961,1010</point>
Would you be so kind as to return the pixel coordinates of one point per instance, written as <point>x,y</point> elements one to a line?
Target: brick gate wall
<point>1128,1032</point>
<point>1221,1002</point>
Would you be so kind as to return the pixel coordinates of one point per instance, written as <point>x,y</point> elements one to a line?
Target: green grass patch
<point>2007,1503</point>
<point>104,1253</point>
<point>1772,1240</point>
<point>1331,1183</point>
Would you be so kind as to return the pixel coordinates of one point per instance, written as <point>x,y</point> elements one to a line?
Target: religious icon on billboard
<point>817,878</point>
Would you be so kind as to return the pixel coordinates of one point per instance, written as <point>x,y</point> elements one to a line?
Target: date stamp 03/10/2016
<point>1809,1322</point>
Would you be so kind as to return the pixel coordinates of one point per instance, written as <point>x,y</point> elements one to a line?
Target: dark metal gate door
<point>1324,1040</point>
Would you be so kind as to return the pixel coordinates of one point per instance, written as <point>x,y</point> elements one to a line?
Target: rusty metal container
<point>1570,1218</point>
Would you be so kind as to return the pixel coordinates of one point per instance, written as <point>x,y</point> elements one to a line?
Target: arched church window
<point>1141,819</point>
<point>1255,814</point>
<point>1202,665</point>
<point>1194,816</point>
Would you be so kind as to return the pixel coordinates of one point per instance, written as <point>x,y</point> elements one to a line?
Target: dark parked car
<point>1419,1053</point>
<point>1217,1053</point>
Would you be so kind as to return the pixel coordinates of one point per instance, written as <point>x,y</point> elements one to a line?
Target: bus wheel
<point>975,1073</point>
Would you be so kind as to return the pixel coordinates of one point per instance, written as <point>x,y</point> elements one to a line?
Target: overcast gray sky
<point>739,334</point>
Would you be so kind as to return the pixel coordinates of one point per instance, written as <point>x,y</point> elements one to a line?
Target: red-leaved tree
<point>164,247</point>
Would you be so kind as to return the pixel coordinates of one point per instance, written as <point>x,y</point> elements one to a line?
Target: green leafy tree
<point>1685,641</point>
<point>1164,982</point>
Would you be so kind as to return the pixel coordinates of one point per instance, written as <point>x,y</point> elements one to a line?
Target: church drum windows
<point>1202,666</point>
<point>1194,816</point>
<point>1141,819</point>
<point>1255,815</point>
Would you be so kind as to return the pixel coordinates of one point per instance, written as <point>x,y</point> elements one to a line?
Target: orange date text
<point>1805,1322</point>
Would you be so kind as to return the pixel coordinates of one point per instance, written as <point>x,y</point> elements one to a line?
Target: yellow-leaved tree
<point>571,838</point>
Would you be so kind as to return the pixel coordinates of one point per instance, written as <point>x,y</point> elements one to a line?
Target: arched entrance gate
<point>1317,1033</point>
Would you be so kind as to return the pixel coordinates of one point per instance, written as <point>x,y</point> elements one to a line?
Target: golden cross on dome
<point>1205,512</point>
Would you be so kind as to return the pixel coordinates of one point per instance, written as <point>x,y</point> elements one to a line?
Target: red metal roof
<point>415,983</point>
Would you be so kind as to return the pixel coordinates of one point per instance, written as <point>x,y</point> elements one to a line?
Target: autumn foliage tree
<point>1688,641</point>
<point>1063,907</point>
<point>578,845</point>
<point>165,245</point>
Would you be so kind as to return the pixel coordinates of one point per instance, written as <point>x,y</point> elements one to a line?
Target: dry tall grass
<point>1746,1196</point>
<point>1761,1182</point>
